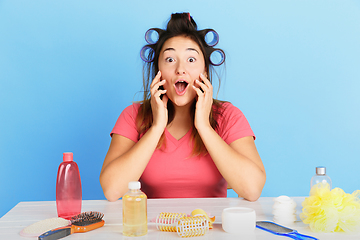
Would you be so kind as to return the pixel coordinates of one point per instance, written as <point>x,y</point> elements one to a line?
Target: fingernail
<point>158,72</point>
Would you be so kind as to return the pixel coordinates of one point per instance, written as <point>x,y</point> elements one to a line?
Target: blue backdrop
<point>68,68</point>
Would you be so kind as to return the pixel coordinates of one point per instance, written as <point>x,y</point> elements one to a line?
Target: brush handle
<point>55,234</point>
<point>303,236</point>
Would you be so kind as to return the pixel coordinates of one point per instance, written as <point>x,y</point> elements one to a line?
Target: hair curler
<point>217,57</point>
<point>211,38</point>
<point>152,36</point>
<point>147,54</point>
<point>192,226</point>
<point>166,222</point>
<point>182,224</point>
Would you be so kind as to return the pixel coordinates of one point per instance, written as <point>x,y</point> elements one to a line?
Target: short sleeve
<point>126,123</point>
<point>232,124</point>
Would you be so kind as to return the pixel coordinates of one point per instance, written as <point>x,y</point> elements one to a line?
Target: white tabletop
<point>26,213</point>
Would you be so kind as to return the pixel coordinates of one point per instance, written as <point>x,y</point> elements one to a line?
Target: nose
<point>180,69</point>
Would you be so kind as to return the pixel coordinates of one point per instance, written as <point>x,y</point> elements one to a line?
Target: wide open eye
<point>169,59</point>
<point>191,59</point>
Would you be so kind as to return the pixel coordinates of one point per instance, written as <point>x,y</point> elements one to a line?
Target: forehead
<point>180,43</point>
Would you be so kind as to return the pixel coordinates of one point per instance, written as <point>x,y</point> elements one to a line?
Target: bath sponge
<point>331,211</point>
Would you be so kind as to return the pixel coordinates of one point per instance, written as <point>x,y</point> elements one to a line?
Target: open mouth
<point>180,87</point>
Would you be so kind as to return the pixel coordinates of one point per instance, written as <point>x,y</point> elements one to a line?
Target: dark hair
<point>180,24</point>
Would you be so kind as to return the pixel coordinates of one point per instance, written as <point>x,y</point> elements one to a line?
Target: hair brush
<point>83,222</point>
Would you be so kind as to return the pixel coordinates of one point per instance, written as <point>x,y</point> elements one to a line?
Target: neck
<point>183,112</point>
<point>183,120</point>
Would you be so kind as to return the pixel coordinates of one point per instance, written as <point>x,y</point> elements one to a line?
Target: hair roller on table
<point>192,226</point>
<point>167,221</point>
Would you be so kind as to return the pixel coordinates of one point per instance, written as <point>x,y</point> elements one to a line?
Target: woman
<point>179,141</point>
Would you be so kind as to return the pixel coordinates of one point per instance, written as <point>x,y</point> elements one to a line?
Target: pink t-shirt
<point>171,172</point>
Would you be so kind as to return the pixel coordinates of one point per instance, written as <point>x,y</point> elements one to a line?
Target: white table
<point>26,213</point>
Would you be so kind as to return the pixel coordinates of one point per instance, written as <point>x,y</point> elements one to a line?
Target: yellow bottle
<point>134,211</point>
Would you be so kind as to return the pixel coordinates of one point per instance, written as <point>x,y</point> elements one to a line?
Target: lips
<point>181,86</point>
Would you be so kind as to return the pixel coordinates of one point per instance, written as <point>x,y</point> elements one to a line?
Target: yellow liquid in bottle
<point>134,214</point>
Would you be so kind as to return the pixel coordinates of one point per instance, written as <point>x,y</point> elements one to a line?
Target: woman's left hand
<point>204,91</point>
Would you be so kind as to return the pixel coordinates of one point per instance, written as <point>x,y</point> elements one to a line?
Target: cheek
<point>164,73</point>
<point>166,85</point>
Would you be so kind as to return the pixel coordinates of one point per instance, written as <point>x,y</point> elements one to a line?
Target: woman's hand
<point>204,91</point>
<point>158,105</point>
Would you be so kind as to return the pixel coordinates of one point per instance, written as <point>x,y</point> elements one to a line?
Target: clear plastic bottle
<point>134,211</point>
<point>68,188</point>
<point>320,176</point>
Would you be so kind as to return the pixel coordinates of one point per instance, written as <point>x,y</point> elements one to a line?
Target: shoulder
<point>134,107</point>
<point>129,113</point>
<point>126,123</point>
<point>131,110</point>
<point>232,123</point>
<point>227,110</point>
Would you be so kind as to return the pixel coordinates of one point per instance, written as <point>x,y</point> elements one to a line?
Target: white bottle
<point>320,176</point>
<point>134,211</point>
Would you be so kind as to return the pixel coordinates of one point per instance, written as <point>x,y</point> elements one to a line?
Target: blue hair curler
<point>151,36</point>
<point>217,57</point>
<point>147,54</point>
<point>211,38</point>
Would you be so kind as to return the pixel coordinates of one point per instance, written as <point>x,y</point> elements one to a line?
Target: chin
<point>183,102</point>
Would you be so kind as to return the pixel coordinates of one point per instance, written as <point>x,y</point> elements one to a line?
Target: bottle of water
<point>320,177</point>
<point>68,188</point>
<point>134,211</point>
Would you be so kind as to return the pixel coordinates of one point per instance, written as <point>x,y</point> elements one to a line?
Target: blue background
<point>68,68</point>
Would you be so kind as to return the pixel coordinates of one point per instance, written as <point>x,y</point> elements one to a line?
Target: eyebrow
<point>188,49</point>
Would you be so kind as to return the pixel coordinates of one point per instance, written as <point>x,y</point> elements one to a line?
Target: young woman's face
<point>181,62</point>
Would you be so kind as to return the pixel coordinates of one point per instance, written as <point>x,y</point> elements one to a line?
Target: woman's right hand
<point>158,104</point>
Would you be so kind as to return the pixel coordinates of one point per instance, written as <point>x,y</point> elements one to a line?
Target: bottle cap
<point>134,185</point>
<point>67,156</point>
<point>320,170</point>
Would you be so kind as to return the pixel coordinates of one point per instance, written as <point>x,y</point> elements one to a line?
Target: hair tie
<point>217,57</point>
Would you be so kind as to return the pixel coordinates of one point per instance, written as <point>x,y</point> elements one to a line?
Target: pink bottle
<point>68,188</point>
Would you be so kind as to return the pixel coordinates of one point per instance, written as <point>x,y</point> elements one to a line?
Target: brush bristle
<point>273,227</point>
<point>86,218</point>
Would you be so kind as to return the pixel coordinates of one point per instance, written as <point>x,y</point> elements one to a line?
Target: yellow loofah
<point>331,211</point>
